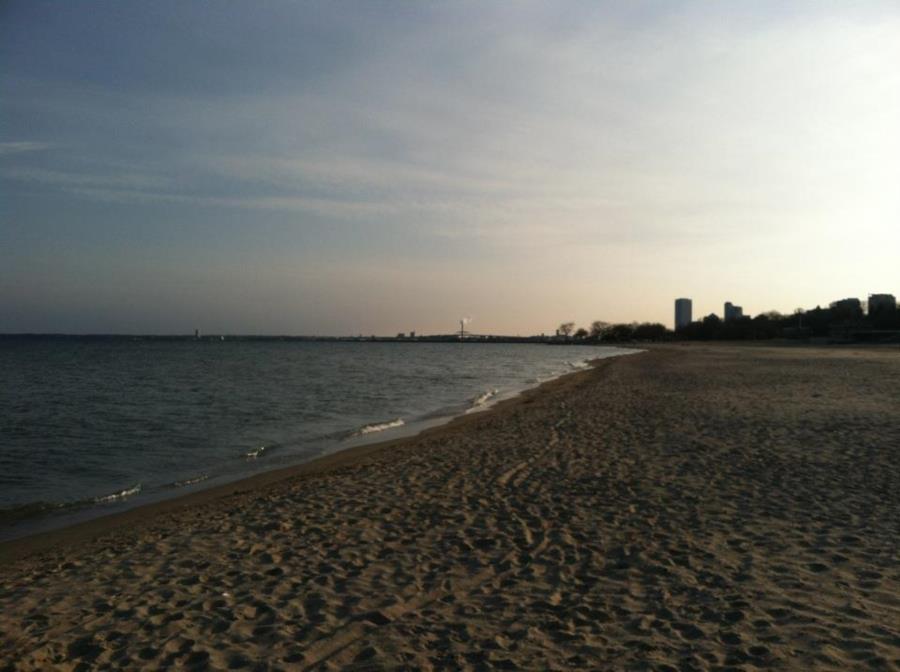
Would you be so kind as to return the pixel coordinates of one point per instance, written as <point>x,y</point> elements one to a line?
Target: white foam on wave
<point>116,496</point>
<point>379,427</point>
<point>255,453</point>
<point>483,398</point>
<point>191,481</point>
<point>583,364</point>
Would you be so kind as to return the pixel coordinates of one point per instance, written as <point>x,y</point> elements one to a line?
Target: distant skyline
<point>343,168</point>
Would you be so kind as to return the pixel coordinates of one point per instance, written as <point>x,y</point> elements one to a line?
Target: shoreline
<point>20,547</point>
<point>701,508</point>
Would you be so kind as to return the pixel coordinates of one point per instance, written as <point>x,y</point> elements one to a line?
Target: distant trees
<point>598,328</point>
<point>650,332</point>
<point>566,329</point>
<point>884,318</point>
<point>603,332</point>
<point>619,333</point>
<point>623,333</point>
<point>817,321</point>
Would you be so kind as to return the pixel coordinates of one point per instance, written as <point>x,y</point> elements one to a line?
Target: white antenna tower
<point>462,328</point>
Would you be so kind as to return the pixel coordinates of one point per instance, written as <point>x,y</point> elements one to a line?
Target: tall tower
<point>683,313</point>
<point>733,312</point>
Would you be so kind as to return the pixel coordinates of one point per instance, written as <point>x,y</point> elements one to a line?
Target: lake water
<point>92,426</point>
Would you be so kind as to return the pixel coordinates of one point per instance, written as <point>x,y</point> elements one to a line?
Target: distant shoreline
<point>815,341</point>
<point>440,338</point>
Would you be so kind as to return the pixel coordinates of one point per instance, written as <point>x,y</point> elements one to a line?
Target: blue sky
<point>286,167</point>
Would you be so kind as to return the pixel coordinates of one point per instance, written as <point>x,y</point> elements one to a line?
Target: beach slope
<point>689,507</point>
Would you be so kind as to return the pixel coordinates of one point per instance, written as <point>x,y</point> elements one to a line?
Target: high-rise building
<point>733,312</point>
<point>883,311</point>
<point>879,303</point>
<point>683,310</point>
<point>846,310</point>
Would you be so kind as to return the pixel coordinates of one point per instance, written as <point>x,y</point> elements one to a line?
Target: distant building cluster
<point>849,318</point>
<point>878,306</point>
<point>684,309</point>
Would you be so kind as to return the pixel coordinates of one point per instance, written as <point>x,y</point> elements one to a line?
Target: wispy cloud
<point>66,179</point>
<point>23,146</point>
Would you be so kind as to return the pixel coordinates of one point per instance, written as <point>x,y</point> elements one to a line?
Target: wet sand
<point>690,507</point>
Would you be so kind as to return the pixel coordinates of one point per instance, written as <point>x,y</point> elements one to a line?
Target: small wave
<point>116,496</point>
<point>482,399</point>
<point>583,364</point>
<point>255,453</point>
<point>190,481</point>
<point>378,427</point>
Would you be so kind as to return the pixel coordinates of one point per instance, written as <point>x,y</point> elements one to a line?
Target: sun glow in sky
<point>372,167</point>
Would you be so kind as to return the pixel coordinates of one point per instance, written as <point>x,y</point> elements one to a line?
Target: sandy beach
<point>686,508</point>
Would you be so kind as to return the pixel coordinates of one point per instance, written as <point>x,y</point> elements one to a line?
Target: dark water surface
<point>90,425</point>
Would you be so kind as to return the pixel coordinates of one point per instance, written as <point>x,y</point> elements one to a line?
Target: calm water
<point>93,425</point>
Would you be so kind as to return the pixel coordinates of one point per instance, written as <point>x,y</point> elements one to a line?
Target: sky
<point>375,167</point>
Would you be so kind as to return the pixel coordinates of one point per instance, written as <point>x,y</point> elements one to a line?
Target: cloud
<point>76,180</point>
<point>23,146</point>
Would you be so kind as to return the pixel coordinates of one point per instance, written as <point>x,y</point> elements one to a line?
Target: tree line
<point>604,332</point>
